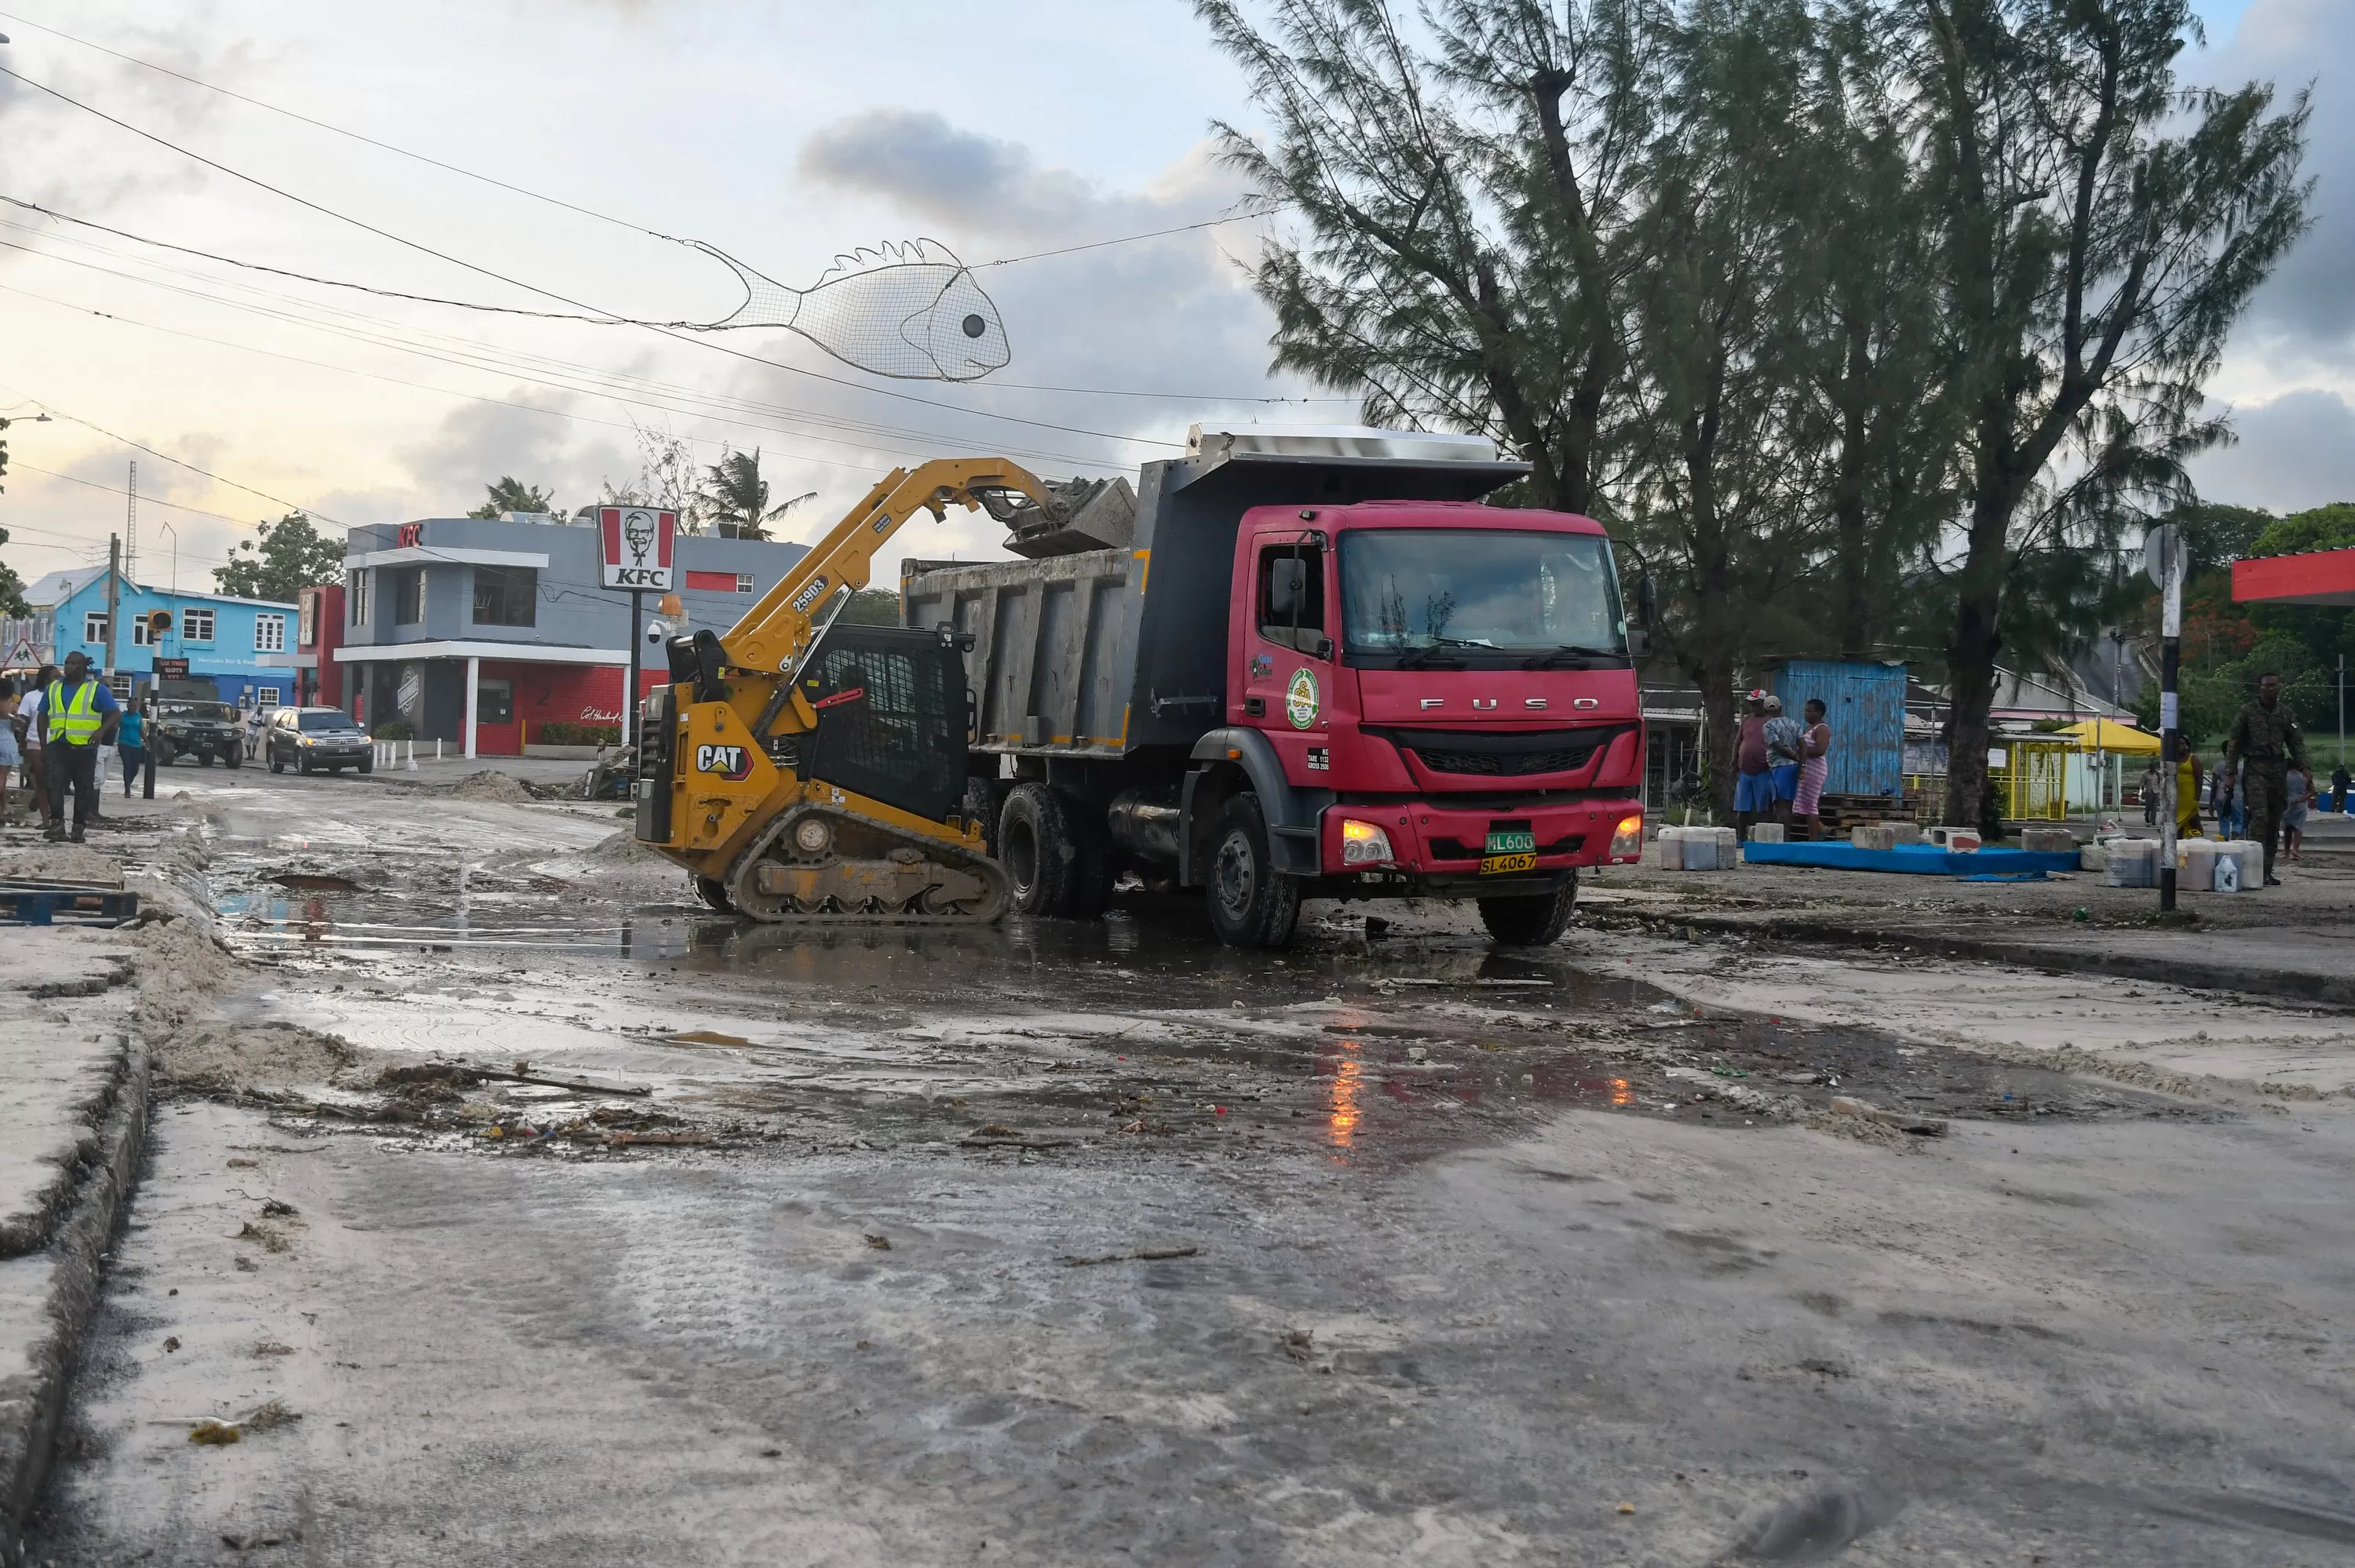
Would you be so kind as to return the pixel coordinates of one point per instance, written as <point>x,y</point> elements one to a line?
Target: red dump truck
<point>1298,664</point>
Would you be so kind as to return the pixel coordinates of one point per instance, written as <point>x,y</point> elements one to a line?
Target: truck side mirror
<point>1287,585</point>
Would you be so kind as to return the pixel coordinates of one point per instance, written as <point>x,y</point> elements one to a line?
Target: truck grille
<point>1507,755</point>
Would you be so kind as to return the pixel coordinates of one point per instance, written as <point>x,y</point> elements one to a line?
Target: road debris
<point>271,1238</point>
<point>1904,1121</point>
<point>1151,1254</point>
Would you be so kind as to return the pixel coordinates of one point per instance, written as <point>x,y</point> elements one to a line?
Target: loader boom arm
<point>775,635</point>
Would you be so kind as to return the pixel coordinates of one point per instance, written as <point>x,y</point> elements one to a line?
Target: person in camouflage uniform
<point>2266,739</point>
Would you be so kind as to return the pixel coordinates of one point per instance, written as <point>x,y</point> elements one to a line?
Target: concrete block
<point>1700,850</point>
<point>1671,847</point>
<point>1906,832</point>
<point>1959,840</point>
<point>2049,840</point>
<point>1873,836</point>
<point>1766,834</point>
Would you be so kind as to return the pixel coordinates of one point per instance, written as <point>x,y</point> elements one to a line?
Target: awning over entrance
<point>2318,577</point>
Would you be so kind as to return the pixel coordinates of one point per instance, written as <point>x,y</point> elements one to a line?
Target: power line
<point>56,412</point>
<point>933,442</point>
<point>1266,209</point>
<point>562,299</point>
<point>118,489</point>
<point>340,131</point>
<point>601,320</point>
<point>474,356</point>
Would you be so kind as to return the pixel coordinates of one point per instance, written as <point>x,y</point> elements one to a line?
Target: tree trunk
<point>1970,658</point>
<point>1720,724</point>
<point>1851,539</point>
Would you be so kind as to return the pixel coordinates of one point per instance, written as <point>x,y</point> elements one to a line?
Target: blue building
<point>245,647</point>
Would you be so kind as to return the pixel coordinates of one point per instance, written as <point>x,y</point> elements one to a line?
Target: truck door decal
<point>1300,699</point>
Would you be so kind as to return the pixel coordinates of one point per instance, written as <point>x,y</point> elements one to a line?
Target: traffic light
<point>159,625</point>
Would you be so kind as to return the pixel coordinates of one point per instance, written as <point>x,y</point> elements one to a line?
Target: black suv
<point>188,727</point>
<point>312,739</point>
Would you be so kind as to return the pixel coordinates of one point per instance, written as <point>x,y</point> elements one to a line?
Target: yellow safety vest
<point>74,720</point>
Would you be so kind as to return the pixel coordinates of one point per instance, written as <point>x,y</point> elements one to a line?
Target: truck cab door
<point>1289,650</point>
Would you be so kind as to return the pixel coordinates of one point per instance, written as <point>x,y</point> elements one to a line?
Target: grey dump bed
<point>1105,653</point>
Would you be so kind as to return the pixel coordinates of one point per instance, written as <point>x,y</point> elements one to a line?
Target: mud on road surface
<point>548,1217</point>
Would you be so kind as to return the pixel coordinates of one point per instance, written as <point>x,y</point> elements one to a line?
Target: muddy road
<point>522,1211</point>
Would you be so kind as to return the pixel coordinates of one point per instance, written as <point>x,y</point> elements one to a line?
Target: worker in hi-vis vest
<point>78,717</point>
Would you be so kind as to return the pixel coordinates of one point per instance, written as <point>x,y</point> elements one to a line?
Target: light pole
<point>2163,560</point>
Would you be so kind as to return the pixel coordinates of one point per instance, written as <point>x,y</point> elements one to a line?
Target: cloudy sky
<point>782,131</point>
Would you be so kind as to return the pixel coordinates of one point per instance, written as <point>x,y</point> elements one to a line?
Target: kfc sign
<point>408,536</point>
<point>637,543</point>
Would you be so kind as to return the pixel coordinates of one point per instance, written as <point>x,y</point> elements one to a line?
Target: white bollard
<point>412,756</point>
<point>437,750</point>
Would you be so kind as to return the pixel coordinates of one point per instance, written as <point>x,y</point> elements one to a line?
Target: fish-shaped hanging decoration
<point>908,311</point>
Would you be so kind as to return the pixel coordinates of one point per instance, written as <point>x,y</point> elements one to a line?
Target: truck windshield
<point>1467,590</point>
<point>332,718</point>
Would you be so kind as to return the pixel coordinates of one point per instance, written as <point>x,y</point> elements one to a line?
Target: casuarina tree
<point>512,494</point>
<point>1467,199</point>
<point>2100,228</point>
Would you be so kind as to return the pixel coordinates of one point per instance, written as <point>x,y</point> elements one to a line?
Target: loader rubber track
<point>777,909</point>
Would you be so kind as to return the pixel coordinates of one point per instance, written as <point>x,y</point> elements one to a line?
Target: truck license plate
<point>1523,842</point>
<point>1494,864</point>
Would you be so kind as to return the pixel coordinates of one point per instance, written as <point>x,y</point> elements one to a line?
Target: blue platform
<point>1920,860</point>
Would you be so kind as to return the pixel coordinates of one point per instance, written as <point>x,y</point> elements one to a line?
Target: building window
<point>265,696</point>
<point>744,582</point>
<point>408,596</point>
<point>505,596</point>
<point>138,638</point>
<point>93,625</point>
<point>270,634</point>
<point>196,626</point>
<point>356,587</point>
<point>121,686</point>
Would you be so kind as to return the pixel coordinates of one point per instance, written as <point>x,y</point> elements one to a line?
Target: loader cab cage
<point>891,717</point>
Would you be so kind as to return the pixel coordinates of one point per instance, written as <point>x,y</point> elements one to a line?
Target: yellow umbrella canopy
<point>2108,735</point>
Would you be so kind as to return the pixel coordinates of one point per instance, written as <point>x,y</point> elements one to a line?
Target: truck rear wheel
<point>1534,920</point>
<point>1251,905</point>
<point>1036,845</point>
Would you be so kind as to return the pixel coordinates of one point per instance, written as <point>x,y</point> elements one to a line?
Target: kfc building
<point>502,635</point>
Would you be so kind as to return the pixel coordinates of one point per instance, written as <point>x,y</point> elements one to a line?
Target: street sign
<point>171,669</point>
<point>2162,552</point>
<point>635,545</point>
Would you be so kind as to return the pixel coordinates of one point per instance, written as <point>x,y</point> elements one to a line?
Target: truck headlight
<point>1627,837</point>
<point>1362,843</point>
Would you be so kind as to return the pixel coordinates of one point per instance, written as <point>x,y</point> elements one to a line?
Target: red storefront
<point>319,632</point>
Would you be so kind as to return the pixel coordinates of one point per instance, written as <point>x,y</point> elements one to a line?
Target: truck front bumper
<point>1446,847</point>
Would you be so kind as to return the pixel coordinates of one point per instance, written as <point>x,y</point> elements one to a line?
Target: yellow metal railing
<point>2033,782</point>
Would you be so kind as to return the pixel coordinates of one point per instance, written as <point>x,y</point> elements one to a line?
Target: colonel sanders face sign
<point>638,533</point>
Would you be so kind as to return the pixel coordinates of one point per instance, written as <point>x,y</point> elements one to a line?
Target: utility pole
<point>114,596</point>
<point>630,695</point>
<point>131,525</point>
<point>2163,560</point>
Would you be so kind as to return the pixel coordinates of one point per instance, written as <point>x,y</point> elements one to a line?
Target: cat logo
<point>731,762</point>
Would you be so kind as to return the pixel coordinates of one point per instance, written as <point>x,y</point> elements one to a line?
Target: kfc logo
<point>637,544</point>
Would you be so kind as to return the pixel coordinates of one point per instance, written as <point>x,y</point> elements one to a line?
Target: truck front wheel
<point>1251,905</point>
<point>1536,920</point>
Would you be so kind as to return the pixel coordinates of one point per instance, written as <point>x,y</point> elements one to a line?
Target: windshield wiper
<point>1569,650</point>
<point>1420,658</point>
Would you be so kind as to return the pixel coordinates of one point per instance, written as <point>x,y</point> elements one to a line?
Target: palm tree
<point>512,494</point>
<point>736,498</point>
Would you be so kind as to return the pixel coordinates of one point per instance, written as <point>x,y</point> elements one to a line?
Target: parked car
<point>314,738</point>
<point>188,727</point>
